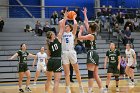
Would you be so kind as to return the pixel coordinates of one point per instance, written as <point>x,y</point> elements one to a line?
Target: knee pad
<point>117,78</point>
<point>90,74</point>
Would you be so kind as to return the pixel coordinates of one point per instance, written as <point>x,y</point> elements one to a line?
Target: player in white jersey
<point>69,54</point>
<point>131,62</point>
<point>41,64</point>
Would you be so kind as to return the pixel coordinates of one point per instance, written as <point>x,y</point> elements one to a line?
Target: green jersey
<point>91,44</point>
<point>113,56</point>
<point>55,48</point>
<point>22,56</point>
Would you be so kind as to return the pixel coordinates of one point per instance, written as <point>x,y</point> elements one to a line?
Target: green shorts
<point>113,69</point>
<point>22,67</point>
<point>92,57</point>
<point>54,65</point>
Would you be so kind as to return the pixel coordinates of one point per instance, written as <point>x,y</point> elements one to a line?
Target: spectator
<point>38,28</point>
<point>122,66</point>
<point>47,28</point>
<point>61,14</point>
<point>54,18</point>
<point>28,28</point>
<point>99,13</point>
<point>130,25</point>
<point>127,36</point>
<point>120,18</point>
<point>136,24</point>
<point>80,47</point>
<point>117,28</point>
<point>113,20</point>
<point>1,24</point>
<point>78,18</point>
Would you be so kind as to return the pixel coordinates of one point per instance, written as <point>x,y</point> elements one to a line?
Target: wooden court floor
<point>39,88</point>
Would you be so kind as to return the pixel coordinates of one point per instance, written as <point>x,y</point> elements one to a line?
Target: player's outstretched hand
<point>84,10</point>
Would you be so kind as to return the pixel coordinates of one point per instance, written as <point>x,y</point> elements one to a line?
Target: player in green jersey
<point>114,59</point>
<point>92,55</point>
<point>54,53</point>
<point>22,55</point>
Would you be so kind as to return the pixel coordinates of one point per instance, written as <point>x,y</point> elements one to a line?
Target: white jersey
<point>68,41</point>
<point>130,56</point>
<point>41,57</point>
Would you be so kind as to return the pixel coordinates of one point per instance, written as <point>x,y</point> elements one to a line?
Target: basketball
<point>71,14</point>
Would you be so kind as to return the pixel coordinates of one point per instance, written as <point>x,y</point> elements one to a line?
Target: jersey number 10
<point>54,47</point>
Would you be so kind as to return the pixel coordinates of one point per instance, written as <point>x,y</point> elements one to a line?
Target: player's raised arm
<point>85,18</point>
<point>75,25</point>
<point>86,37</point>
<point>62,26</point>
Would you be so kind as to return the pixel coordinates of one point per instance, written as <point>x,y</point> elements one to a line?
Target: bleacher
<point>13,35</point>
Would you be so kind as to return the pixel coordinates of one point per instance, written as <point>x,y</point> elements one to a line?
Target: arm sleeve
<point>107,53</point>
<point>19,53</point>
<point>27,53</point>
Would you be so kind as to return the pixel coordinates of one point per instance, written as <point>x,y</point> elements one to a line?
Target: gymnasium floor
<point>39,88</point>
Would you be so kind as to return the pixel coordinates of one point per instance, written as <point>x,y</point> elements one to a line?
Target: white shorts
<point>41,66</point>
<point>129,63</point>
<point>69,57</point>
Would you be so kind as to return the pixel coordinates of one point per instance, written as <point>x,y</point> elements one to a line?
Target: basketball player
<point>41,65</point>
<point>114,58</point>
<point>54,62</point>
<point>92,56</point>
<point>131,62</point>
<point>69,54</point>
<point>22,55</point>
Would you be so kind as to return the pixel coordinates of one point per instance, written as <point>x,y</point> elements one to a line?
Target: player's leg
<point>66,64</point>
<point>108,79</point>
<point>97,78</point>
<point>127,71</point>
<point>37,73</point>
<point>90,81</point>
<point>28,75</point>
<point>57,77</point>
<point>67,73</point>
<point>78,76</point>
<point>77,72</point>
<point>132,75</point>
<point>67,78</point>
<point>73,61</point>
<point>21,75</point>
<point>48,82</point>
<point>36,76</point>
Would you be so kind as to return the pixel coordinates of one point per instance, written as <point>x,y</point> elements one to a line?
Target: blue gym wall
<point>18,12</point>
<point>80,3</point>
